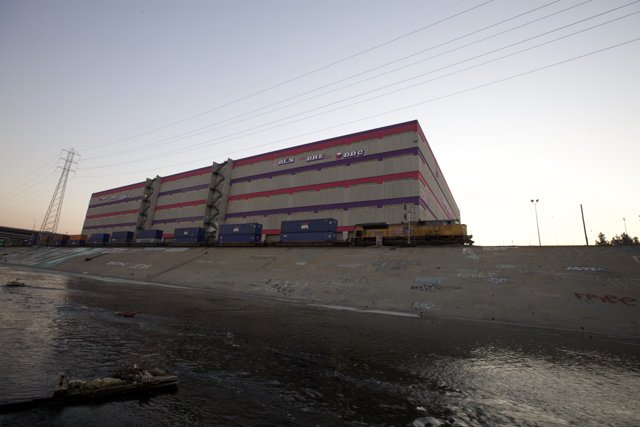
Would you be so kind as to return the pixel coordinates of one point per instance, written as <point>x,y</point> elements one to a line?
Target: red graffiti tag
<point>607,298</point>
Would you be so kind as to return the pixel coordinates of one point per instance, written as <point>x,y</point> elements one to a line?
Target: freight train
<point>312,232</point>
<point>418,233</point>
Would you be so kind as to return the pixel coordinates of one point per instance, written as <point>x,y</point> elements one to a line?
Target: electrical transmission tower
<point>51,218</point>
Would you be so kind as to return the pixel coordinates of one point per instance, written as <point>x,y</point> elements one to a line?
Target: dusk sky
<point>519,100</point>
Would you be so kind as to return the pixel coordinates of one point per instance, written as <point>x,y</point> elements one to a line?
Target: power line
<point>298,77</point>
<point>470,89</point>
<point>27,178</point>
<point>203,129</point>
<point>438,98</point>
<point>244,133</point>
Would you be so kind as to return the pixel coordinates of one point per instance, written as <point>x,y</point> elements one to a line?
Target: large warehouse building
<point>366,177</point>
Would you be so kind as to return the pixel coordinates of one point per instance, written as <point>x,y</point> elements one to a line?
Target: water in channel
<point>254,362</point>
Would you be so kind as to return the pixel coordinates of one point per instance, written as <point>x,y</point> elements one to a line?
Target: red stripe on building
<point>426,143</point>
<point>187,174</point>
<point>317,187</point>
<point>182,205</point>
<point>424,182</point>
<point>133,211</point>
<point>328,143</point>
<point>118,190</point>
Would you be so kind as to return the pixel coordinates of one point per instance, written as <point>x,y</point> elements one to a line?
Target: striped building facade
<point>370,176</point>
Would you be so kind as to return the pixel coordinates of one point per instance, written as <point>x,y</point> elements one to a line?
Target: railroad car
<point>418,233</point>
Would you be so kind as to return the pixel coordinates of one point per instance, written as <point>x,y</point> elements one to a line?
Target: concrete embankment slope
<point>591,289</point>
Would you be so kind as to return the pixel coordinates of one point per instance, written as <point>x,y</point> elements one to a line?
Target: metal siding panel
<point>115,207</point>
<point>371,146</point>
<point>334,174</point>
<point>186,182</point>
<point>390,189</point>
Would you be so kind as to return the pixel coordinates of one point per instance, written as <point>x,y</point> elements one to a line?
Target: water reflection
<point>251,362</point>
<point>30,330</point>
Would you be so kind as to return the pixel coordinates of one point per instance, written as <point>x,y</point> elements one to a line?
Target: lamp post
<point>535,208</point>
<point>624,220</point>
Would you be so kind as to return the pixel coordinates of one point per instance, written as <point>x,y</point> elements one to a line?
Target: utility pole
<point>52,217</point>
<point>586,239</point>
<point>535,207</point>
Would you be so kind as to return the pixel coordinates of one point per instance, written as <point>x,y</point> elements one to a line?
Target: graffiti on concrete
<point>431,284</point>
<point>349,265</point>
<point>141,266</point>
<point>422,306</point>
<point>434,288</point>
<point>282,287</point>
<point>425,280</point>
<point>592,269</point>
<point>472,273</point>
<point>498,280</point>
<point>133,266</point>
<point>612,299</point>
<point>394,265</point>
<point>117,263</point>
<point>469,253</point>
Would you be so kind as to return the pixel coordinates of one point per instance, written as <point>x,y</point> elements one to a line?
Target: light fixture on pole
<point>624,220</point>
<point>535,208</point>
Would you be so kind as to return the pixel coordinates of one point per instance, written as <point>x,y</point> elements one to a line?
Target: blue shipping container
<point>246,228</point>
<point>240,238</point>
<point>121,237</point>
<point>309,226</point>
<point>76,242</point>
<point>188,239</point>
<point>149,234</point>
<point>197,232</point>
<point>99,238</point>
<point>308,237</point>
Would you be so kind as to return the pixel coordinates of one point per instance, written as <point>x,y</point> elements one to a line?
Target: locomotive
<point>418,233</point>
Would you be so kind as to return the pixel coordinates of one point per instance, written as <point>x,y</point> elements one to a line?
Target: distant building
<point>10,236</point>
<point>371,176</point>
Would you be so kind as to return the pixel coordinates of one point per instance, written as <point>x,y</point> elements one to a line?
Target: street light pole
<point>584,226</point>
<point>535,208</point>
<point>624,220</point>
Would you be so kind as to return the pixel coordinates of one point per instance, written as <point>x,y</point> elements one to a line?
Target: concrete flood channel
<point>425,336</point>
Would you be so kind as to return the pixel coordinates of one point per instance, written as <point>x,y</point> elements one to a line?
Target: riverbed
<point>263,362</point>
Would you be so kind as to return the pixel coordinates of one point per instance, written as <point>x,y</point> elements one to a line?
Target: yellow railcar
<point>419,233</point>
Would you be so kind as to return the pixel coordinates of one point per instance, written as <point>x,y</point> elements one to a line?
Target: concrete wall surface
<point>590,289</point>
